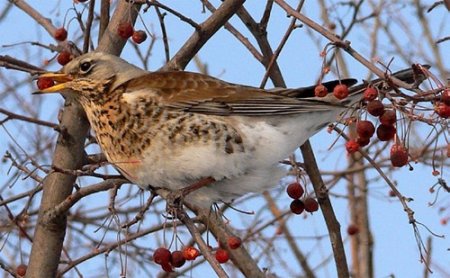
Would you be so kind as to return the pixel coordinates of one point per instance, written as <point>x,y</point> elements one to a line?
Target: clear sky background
<point>395,247</point>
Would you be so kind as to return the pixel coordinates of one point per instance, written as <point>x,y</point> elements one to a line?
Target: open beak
<point>60,80</point>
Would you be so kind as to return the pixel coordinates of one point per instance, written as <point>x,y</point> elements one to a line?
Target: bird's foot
<point>175,198</point>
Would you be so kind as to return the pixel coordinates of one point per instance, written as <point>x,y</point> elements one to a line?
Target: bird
<point>172,129</point>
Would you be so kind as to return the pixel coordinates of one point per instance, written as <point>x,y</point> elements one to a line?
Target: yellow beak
<point>60,78</point>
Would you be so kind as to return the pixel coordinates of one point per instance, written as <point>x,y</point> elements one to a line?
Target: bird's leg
<point>175,198</point>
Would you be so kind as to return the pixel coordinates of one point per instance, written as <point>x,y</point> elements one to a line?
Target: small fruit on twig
<point>365,129</point>
<point>340,91</point>
<point>162,255</point>
<point>21,270</point>
<point>295,190</point>
<point>60,34</point>
<point>125,30</point>
<point>389,117</point>
<point>386,132</point>
<point>320,91</point>
<point>139,36</point>
<point>234,242</point>
<point>177,259</point>
<point>399,155</point>
<point>190,253</point>
<point>442,109</point>
<point>222,256</point>
<point>352,146</point>
<point>370,94</point>
<point>63,58</point>
<point>297,206</point>
<point>311,205</point>
<point>375,108</point>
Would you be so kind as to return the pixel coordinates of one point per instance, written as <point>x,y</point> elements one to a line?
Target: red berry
<point>60,34</point>
<point>295,190</point>
<point>234,242</point>
<point>297,206</point>
<point>443,110</point>
<point>370,93</point>
<point>125,30</point>
<point>166,267</point>
<point>222,256</point>
<point>190,253</point>
<point>161,256</point>
<point>63,58</point>
<point>375,108</point>
<point>362,141</point>
<point>399,155</point>
<point>320,91</point>
<point>445,97</point>
<point>21,270</point>
<point>352,229</point>
<point>311,205</point>
<point>177,259</point>
<point>365,129</point>
<point>139,36</point>
<point>340,91</point>
<point>44,83</point>
<point>389,117</point>
<point>386,132</point>
<point>352,146</point>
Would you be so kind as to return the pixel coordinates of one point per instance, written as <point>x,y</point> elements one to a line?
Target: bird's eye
<point>85,67</point>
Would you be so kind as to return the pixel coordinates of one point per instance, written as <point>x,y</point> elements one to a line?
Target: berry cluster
<point>385,131</point>
<point>296,191</point>
<point>168,260</point>
<point>125,30</point>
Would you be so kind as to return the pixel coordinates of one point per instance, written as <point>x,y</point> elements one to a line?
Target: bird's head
<point>91,74</point>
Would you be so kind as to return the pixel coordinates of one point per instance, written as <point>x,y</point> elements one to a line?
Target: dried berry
<point>375,108</point>
<point>295,190</point>
<point>320,91</point>
<point>162,255</point>
<point>389,117</point>
<point>222,256</point>
<point>21,270</point>
<point>190,253</point>
<point>60,34</point>
<point>63,58</point>
<point>177,259</point>
<point>125,30</point>
<point>311,204</point>
<point>351,146</point>
<point>370,94</point>
<point>443,110</point>
<point>297,206</point>
<point>365,129</point>
<point>399,155</point>
<point>139,36</point>
<point>234,242</point>
<point>340,91</point>
<point>386,132</point>
<point>362,141</point>
<point>445,96</point>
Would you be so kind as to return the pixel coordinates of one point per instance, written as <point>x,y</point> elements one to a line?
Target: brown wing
<point>198,93</point>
